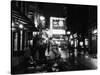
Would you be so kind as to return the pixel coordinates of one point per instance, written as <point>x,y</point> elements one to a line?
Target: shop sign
<point>57,23</point>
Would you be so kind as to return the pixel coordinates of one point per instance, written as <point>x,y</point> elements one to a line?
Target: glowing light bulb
<point>42,18</point>
<point>68,32</point>
<point>95,31</point>
<point>21,26</point>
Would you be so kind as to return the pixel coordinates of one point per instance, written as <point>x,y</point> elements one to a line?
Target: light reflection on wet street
<point>71,64</point>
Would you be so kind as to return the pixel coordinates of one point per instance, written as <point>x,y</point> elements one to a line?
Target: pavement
<point>88,61</point>
<point>82,62</point>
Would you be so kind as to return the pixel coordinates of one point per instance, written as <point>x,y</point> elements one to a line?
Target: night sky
<point>78,16</point>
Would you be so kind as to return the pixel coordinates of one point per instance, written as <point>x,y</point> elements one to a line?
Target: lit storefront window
<point>86,42</point>
<point>59,31</point>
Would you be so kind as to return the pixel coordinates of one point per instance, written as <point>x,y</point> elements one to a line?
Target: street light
<point>68,32</point>
<point>21,26</point>
<point>42,18</point>
<point>21,36</point>
<point>95,31</point>
<point>12,24</point>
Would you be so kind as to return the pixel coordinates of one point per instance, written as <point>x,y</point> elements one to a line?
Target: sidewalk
<point>88,61</point>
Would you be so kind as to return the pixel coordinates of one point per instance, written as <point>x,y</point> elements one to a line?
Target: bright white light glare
<point>35,22</point>
<point>72,42</point>
<point>68,32</point>
<point>42,18</point>
<point>71,36</point>
<point>81,43</point>
<point>95,31</point>
<point>21,26</point>
<point>58,31</point>
<point>12,24</point>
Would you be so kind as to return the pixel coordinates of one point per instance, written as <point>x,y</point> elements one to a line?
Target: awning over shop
<point>22,19</point>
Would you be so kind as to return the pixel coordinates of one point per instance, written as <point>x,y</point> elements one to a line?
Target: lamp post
<point>68,34</point>
<point>21,36</point>
<point>75,49</point>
